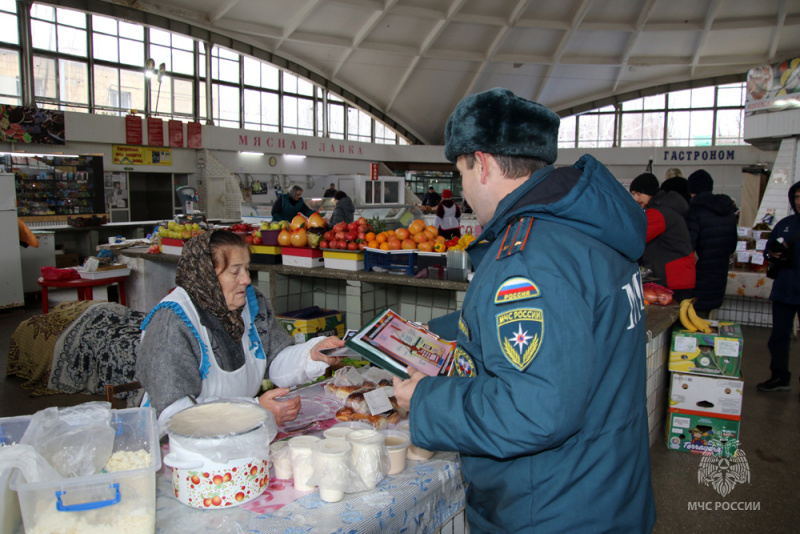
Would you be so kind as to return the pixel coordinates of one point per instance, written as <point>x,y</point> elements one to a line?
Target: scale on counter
<point>188,197</point>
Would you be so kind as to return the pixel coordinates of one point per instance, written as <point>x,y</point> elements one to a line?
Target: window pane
<point>9,72</point>
<point>201,111</point>
<point>730,126</point>
<point>132,94</point>
<point>131,52</point>
<point>252,106</point>
<point>633,105</point>
<point>159,37</point>
<point>566,132</point>
<point>43,35</point>
<point>44,77</point>
<point>10,101</point>
<point>104,25</point>
<point>270,76</point>
<point>305,87</point>
<point>678,127</point>
<point>320,118</point>
<point>335,121</point>
<point>252,72</point>
<point>10,33</point>
<point>703,97</point>
<point>161,97</point>
<point>183,100</point>
<point>201,63</point>
<point>39,11</point>
<point>70,17</point>
<point>270,111</point>
<point>305,116</point>
<point>182,62</point>
<point>106,86</point>
<point>702,126</point>
<point>71,41</point>
<point>73,81</point>
<point>680,99</point>
<point>289,114</point>
<point>183,43</point>
<point>731,95</point>
<point>655,102</point>
<point>161,54</point>
<point>8,5</point>
<point>289,82</point>
<point>105,47</point>
<point>226,103</point>
<point>131,31</point>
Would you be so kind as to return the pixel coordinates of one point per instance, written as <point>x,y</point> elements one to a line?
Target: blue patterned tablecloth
<point>420,499</point>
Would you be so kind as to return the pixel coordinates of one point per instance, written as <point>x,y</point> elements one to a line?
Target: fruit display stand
<point>391,260</point>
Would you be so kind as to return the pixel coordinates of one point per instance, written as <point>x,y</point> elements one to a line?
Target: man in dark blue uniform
<point>549,409</point>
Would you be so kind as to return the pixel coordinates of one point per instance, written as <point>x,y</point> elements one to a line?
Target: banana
<point>687,324</point>
<point>701,324</point>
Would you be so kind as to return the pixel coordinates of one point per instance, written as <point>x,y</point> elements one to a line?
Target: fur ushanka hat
<point>499,122</point>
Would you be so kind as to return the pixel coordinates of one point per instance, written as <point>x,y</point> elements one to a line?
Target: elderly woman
<point>216,335</point>
<point>290,204</point>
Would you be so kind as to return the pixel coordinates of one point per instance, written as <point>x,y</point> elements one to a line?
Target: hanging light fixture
<point>150,68</point>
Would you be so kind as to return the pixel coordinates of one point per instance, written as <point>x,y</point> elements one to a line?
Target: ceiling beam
<point>222,10</point>
<point>776,32</point>
<point>373,20</point>
<point>641,20</point>
<point>710,16</point>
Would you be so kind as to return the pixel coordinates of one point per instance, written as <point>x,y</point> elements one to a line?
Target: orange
<point>394,244</point>
<point>409,244</point>
<point>401,234</point>
<point>433,230</point>
<point>381,237</point>
<point>440,239</point>
<point>440,247</point>
<point>373,244</point>
<point>384,246</point>
<point>420,238</point>
<point>426,247</point>
<point>430,236</point>
<point>370,237</point>
<point>416,227</point>
<point>390,233</point>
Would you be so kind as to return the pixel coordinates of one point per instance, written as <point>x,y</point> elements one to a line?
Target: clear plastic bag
<point>76,441</point>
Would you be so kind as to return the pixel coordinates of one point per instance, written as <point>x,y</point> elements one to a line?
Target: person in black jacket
<point>712,224</point>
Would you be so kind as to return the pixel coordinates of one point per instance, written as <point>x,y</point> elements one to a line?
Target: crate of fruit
<point>391,260</point>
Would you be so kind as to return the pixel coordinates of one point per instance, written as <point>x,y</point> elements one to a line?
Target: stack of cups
<point>302,467</point>
<point>369,456</point>
<point>281,459</point>
<point>331,461</point>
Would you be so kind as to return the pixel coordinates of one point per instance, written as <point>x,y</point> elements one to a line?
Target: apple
<point>195,479</point>
<point>226,477</point>
<point>254,470</point>
<point>207,503</point>
<point>257,240</point>
<point>239,497</point>
<point>217,480</point>
<point>215,500</point>
<point>249,239</point>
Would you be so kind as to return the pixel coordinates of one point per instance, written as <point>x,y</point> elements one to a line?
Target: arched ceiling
<point>413,60</point>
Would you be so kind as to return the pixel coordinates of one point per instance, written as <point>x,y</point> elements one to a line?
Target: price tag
<point>761,244</point>
<point>756,234</point>
<point>350,375</point>
<point>378,401</point>
<point>745,231</point>
<point>757,258</point>
<point>741,245</point>
<point>743,257</point>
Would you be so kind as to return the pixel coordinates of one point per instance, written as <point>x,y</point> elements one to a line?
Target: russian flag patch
<point>514,289</point>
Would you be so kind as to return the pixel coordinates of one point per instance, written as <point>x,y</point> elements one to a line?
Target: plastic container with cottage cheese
<point>414,452</point>
<point>397,443</point>
<point>120,501</point>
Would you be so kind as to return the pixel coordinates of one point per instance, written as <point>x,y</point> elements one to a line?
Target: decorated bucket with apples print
<point>203,483</point>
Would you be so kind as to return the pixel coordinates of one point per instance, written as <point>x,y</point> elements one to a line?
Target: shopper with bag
<point>784,257</point>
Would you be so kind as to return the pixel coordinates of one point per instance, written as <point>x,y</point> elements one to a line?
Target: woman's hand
<point>284,411</point>
<point>330,342</point>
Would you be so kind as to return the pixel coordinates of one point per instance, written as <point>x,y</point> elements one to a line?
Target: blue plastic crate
<point>394,261</point>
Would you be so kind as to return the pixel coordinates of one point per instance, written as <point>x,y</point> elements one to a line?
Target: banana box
<point>715,354</point>
<point>704,414</point>
<point>304,324</point>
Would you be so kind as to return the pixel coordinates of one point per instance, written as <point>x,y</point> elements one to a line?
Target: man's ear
<point>484,160</point>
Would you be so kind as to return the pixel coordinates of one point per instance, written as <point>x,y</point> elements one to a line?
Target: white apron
<point>449,220</point>
<point>243,382</point>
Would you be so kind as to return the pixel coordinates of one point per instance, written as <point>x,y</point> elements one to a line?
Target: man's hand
<point>284,411</point>
<point>330,342</point>
<point>404,389</point>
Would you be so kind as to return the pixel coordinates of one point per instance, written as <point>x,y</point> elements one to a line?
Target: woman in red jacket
<point>668,253</point>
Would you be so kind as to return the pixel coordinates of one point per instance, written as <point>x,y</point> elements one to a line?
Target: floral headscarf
<point>197,277</point>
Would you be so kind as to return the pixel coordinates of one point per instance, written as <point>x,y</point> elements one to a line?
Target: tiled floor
<point>770,438</point>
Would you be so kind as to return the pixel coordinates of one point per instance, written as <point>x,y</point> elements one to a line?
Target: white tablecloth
<point>744,284</point>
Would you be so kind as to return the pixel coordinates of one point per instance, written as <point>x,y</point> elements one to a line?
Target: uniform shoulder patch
<point>462,325</point>
<point>516,288</point>
<point>520,333</point>
<point>464,366</point>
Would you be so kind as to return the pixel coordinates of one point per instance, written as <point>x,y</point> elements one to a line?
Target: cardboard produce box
<point>347,260</point>
<point>266,254</point>
<point>170,245</point>
<point>304,324</point>
<point>302,257</point>
<point>704,414</point>
<point>716,354</point>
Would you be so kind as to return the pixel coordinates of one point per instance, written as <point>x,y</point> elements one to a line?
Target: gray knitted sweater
<point>168,358</point>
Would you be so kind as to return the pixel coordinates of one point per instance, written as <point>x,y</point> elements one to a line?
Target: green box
<point>715,354</point>
<point>701,433</point>
<point>304,324</point>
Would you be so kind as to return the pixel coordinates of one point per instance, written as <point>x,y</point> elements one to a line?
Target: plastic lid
<point>337,432</point>
<point>354,425</point>
<point>217,419</point>
<point>366,437</point>
<point>404,425</point>
<point>278,445</point>
<point>396,439</point>
<point>331,447</point>
<point>302,442</point>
